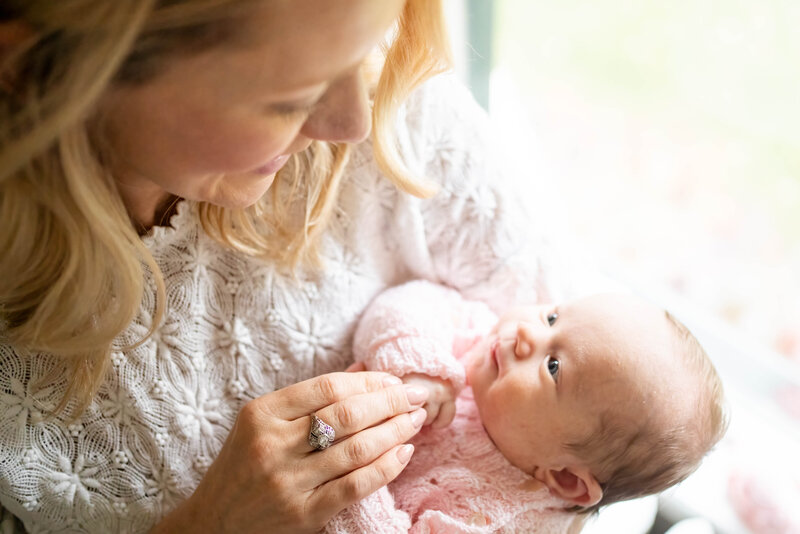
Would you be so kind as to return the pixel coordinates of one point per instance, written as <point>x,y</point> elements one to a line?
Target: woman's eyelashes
<point>291,111</point>
<point>553,366</point>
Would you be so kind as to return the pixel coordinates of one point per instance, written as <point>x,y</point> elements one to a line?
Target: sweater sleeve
<point>412,329</point>
<point>485,232</point>
<point>375,514</point>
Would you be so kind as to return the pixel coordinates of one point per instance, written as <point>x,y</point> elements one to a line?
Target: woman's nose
<point>342,115</point>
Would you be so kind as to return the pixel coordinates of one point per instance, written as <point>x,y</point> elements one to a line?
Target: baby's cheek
<point>473,361</point>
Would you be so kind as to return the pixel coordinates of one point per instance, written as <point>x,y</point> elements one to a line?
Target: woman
<point>191,226</point>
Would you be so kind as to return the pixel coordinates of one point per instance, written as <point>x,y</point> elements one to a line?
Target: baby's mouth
<point>494,355</point>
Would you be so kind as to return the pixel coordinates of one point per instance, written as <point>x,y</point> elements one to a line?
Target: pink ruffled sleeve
<point>412,328</point>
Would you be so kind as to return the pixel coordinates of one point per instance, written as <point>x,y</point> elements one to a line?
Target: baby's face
<point>544,374</point>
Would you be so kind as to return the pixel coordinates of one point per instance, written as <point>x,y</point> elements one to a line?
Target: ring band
<point>321,435</point>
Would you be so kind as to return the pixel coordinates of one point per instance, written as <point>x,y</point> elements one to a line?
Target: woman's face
<point>218,125</point>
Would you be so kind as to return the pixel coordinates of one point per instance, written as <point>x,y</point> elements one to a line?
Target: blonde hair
<point>633,461</point>
<point>74,269</point>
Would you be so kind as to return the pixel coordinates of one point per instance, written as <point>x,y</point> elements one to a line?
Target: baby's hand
<point>441,404</point>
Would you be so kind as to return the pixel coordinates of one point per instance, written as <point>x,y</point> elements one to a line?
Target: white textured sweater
<point>235,328</point>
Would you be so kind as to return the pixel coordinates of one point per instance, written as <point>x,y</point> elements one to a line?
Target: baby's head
<point>602,399</point>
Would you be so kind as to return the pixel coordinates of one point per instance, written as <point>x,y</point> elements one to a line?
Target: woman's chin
<point>237,195</point>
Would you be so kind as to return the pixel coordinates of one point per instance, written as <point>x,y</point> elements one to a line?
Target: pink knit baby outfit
<point>457,480</point>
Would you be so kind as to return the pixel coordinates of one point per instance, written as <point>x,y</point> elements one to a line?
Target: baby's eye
<point>552,318</point>
<point>553,367</point>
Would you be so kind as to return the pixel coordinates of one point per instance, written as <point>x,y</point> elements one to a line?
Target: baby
<point>569,408</point>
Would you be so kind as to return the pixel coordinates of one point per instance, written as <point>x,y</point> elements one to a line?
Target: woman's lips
<point>273,165</point>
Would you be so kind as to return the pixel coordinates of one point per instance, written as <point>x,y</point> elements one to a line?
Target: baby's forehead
<point>631,387</point>
<point>609,304</point>
<point>610,357</point>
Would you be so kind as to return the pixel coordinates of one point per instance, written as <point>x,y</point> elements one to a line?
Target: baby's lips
<point>497,357</point>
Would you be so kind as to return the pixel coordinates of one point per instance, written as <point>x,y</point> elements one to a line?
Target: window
<point>671,134</point>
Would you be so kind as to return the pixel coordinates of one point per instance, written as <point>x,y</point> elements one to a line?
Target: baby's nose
<point>526,345</point>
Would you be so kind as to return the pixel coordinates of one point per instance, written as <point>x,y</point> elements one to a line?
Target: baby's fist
<point>441,404</point>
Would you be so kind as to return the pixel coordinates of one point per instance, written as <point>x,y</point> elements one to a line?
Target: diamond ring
<point>321,434</point>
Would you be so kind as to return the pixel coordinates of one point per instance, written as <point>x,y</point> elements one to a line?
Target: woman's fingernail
<point>418,417</point>
<point>416,394</point>
<point>392,381</point>
<point>404,453</point>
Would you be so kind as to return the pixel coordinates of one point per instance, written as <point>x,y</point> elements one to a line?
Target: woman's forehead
<point>307,42</point>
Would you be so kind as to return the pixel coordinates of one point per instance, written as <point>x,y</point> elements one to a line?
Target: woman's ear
<point>574,484</point>
<point>12,34</point>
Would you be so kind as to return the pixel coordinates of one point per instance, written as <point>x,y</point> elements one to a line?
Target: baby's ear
<point>574,484</point>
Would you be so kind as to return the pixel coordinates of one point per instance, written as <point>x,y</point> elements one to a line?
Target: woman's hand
<point>267,478</point>
<point>441,404</point>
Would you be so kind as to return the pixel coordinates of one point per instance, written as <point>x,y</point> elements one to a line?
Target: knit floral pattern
<point>237,328</point>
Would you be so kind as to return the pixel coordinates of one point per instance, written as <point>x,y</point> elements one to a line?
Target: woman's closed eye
<point>292,110</point>
<point>553,366</point>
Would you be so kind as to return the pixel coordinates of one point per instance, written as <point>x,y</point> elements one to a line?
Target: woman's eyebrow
<point>301,95</point>
<point>315,89</point>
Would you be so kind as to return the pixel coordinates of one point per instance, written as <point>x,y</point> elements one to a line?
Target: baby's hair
<point>635,459</point>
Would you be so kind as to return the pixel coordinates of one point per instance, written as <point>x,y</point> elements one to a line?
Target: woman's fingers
<point>360,449</point>
<point>266,454</point>
<point>358,412</point>
<point>333,496</point>
<point>303,398</point>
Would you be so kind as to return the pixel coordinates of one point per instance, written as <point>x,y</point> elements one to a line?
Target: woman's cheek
<point>242,151</point>
<point>255,146</point>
